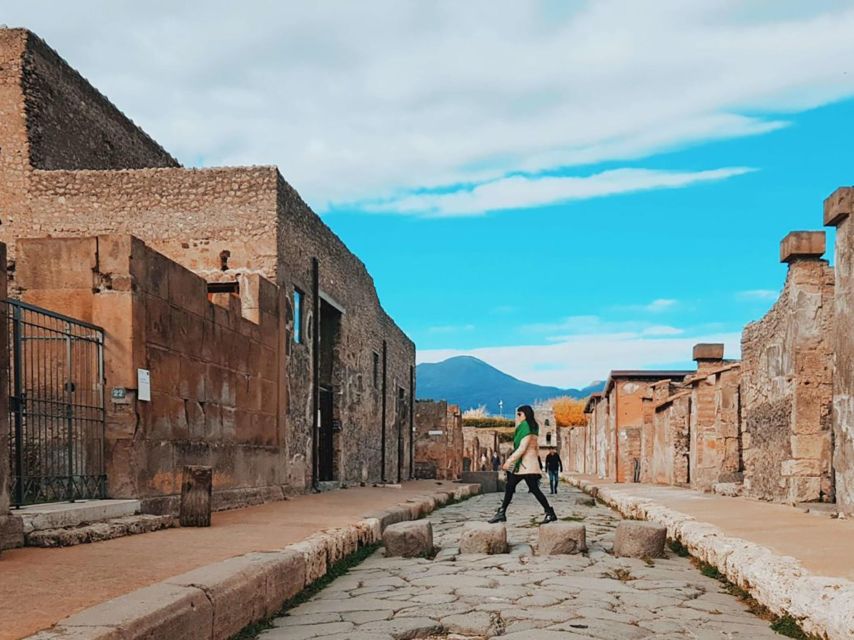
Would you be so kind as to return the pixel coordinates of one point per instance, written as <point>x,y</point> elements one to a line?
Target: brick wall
<point>217,380</point>
<point>438,454</point>
<point>787,389</point>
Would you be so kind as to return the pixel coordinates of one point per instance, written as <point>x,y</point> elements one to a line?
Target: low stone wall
<point>823,606</point>
<point>218,600</point>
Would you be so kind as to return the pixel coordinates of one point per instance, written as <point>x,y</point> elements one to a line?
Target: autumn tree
<point>569,412</point>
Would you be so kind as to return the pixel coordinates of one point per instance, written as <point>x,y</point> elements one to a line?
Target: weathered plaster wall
<point>838,209</point>
<point>438,454</point>
<point>787,389</point>
<point>216,382</point>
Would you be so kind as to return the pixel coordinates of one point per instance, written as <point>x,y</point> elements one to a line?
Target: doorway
<point>329,427</point>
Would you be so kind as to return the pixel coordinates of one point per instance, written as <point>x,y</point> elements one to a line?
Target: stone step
<point>98,531</point>
<point>59,515</point>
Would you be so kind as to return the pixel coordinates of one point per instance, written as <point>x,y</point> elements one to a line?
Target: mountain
<point>470,382</point>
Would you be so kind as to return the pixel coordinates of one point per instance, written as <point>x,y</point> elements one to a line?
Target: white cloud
<point>592,324</point>
<point>758,294</point>
<point>519,191</point>
<point>579,359</point>
<point>662,304</point>
<point>379,99</point>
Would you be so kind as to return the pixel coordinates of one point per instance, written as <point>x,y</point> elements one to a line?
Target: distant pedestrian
<point>496,462</point>
<point>523,464</point>
<point>483,462</point>
<point>554,466</point>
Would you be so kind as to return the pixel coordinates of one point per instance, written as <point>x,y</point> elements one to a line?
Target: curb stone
<point>216,601</point>
<point>822,605</point>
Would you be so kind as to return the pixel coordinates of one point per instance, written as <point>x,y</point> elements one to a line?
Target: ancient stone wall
<point>73,166</point>
<point>838,209</point>
<point>572,453</point>
<point>787,387</point>
<point>204,219</point>
<point>216,378</point>
<point>714,427</point>
<point>671,448</point>
<point>364,329</point>
<point>602,424</point>
<point>439,440</point>
<point>70,125</point>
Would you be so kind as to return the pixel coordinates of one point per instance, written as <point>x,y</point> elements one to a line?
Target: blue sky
<point>559,188</point>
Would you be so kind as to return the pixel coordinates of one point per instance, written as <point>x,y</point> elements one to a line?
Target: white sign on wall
<point>143,385</point>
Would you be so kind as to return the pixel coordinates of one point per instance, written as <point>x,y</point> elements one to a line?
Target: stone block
<point>412,539</point>
<point>56,263</point>
<point>488,480</point>
<point>562,538</point>
<point>638,539</point>
<point>247,588</point>
<point>815,446</point>
<point>482,537</point>
<point>313,551</point>
<point>708,351</point>
<point>802,244</point>
<point>838,206</point>
<point>162,610</point>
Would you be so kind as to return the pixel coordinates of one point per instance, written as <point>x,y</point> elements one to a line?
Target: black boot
<point>551,516</point>
<point>500,516</point>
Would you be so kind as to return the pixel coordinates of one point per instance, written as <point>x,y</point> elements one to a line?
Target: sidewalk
<point>39,587</point>
<point>823,545</point>
<point>792,562</point>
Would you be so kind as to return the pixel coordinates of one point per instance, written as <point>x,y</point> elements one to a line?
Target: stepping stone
<point>412,539</point>
<point>636,539</point>
<point>482,537</point>
<point>562,538</point>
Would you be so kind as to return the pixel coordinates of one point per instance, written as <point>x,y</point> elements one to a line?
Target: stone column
<point>837,213</point>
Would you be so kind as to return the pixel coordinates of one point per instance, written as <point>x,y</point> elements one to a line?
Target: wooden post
<point>196,496</point>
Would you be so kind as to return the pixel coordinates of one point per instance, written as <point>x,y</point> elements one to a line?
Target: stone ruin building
<point>438,440</point>
<point>777,425</point>
<point>255,325</point>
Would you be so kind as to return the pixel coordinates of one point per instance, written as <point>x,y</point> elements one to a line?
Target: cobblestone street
<point>476,596</point>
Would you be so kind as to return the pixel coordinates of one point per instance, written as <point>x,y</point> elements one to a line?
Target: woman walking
<point>524,464</point>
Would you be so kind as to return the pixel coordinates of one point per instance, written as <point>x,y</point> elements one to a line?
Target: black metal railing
<point>56,405</point>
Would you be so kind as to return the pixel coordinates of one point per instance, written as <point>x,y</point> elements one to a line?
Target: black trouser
<point>533,482</point>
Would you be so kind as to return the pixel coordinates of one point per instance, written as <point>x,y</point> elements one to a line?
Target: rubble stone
<point>409,539</point>
<point>636,539</point>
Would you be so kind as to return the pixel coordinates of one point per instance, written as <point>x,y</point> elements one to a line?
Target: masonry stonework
<point>787,387</point>
<point>438,440</point>
<point>73,166</point>
<point>838,210</point>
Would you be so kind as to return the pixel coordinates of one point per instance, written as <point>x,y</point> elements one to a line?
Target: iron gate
<point>56,404</point>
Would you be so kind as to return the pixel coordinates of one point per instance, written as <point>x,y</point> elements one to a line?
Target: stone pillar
<point>837,213</point>
<point>11,531</point>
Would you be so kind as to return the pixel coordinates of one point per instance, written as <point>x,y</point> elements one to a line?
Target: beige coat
<point>529,453</point>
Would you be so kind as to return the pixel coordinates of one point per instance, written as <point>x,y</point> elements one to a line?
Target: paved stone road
<point>521,596</point>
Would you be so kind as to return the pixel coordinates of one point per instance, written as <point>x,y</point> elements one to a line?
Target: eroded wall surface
<point>438,440</point>
<point>838,212</point>
<point>787,390</point>
<point>715,442</point>
<point>216,379</point>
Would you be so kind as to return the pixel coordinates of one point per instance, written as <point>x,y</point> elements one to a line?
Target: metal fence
<point>56,404</point>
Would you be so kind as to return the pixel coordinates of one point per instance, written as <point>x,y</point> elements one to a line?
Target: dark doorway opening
<point>327,441</point>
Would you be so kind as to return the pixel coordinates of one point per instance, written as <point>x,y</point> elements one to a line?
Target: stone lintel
<point>838,206</point>
<point>708,351</point>
<point>802,244</point>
